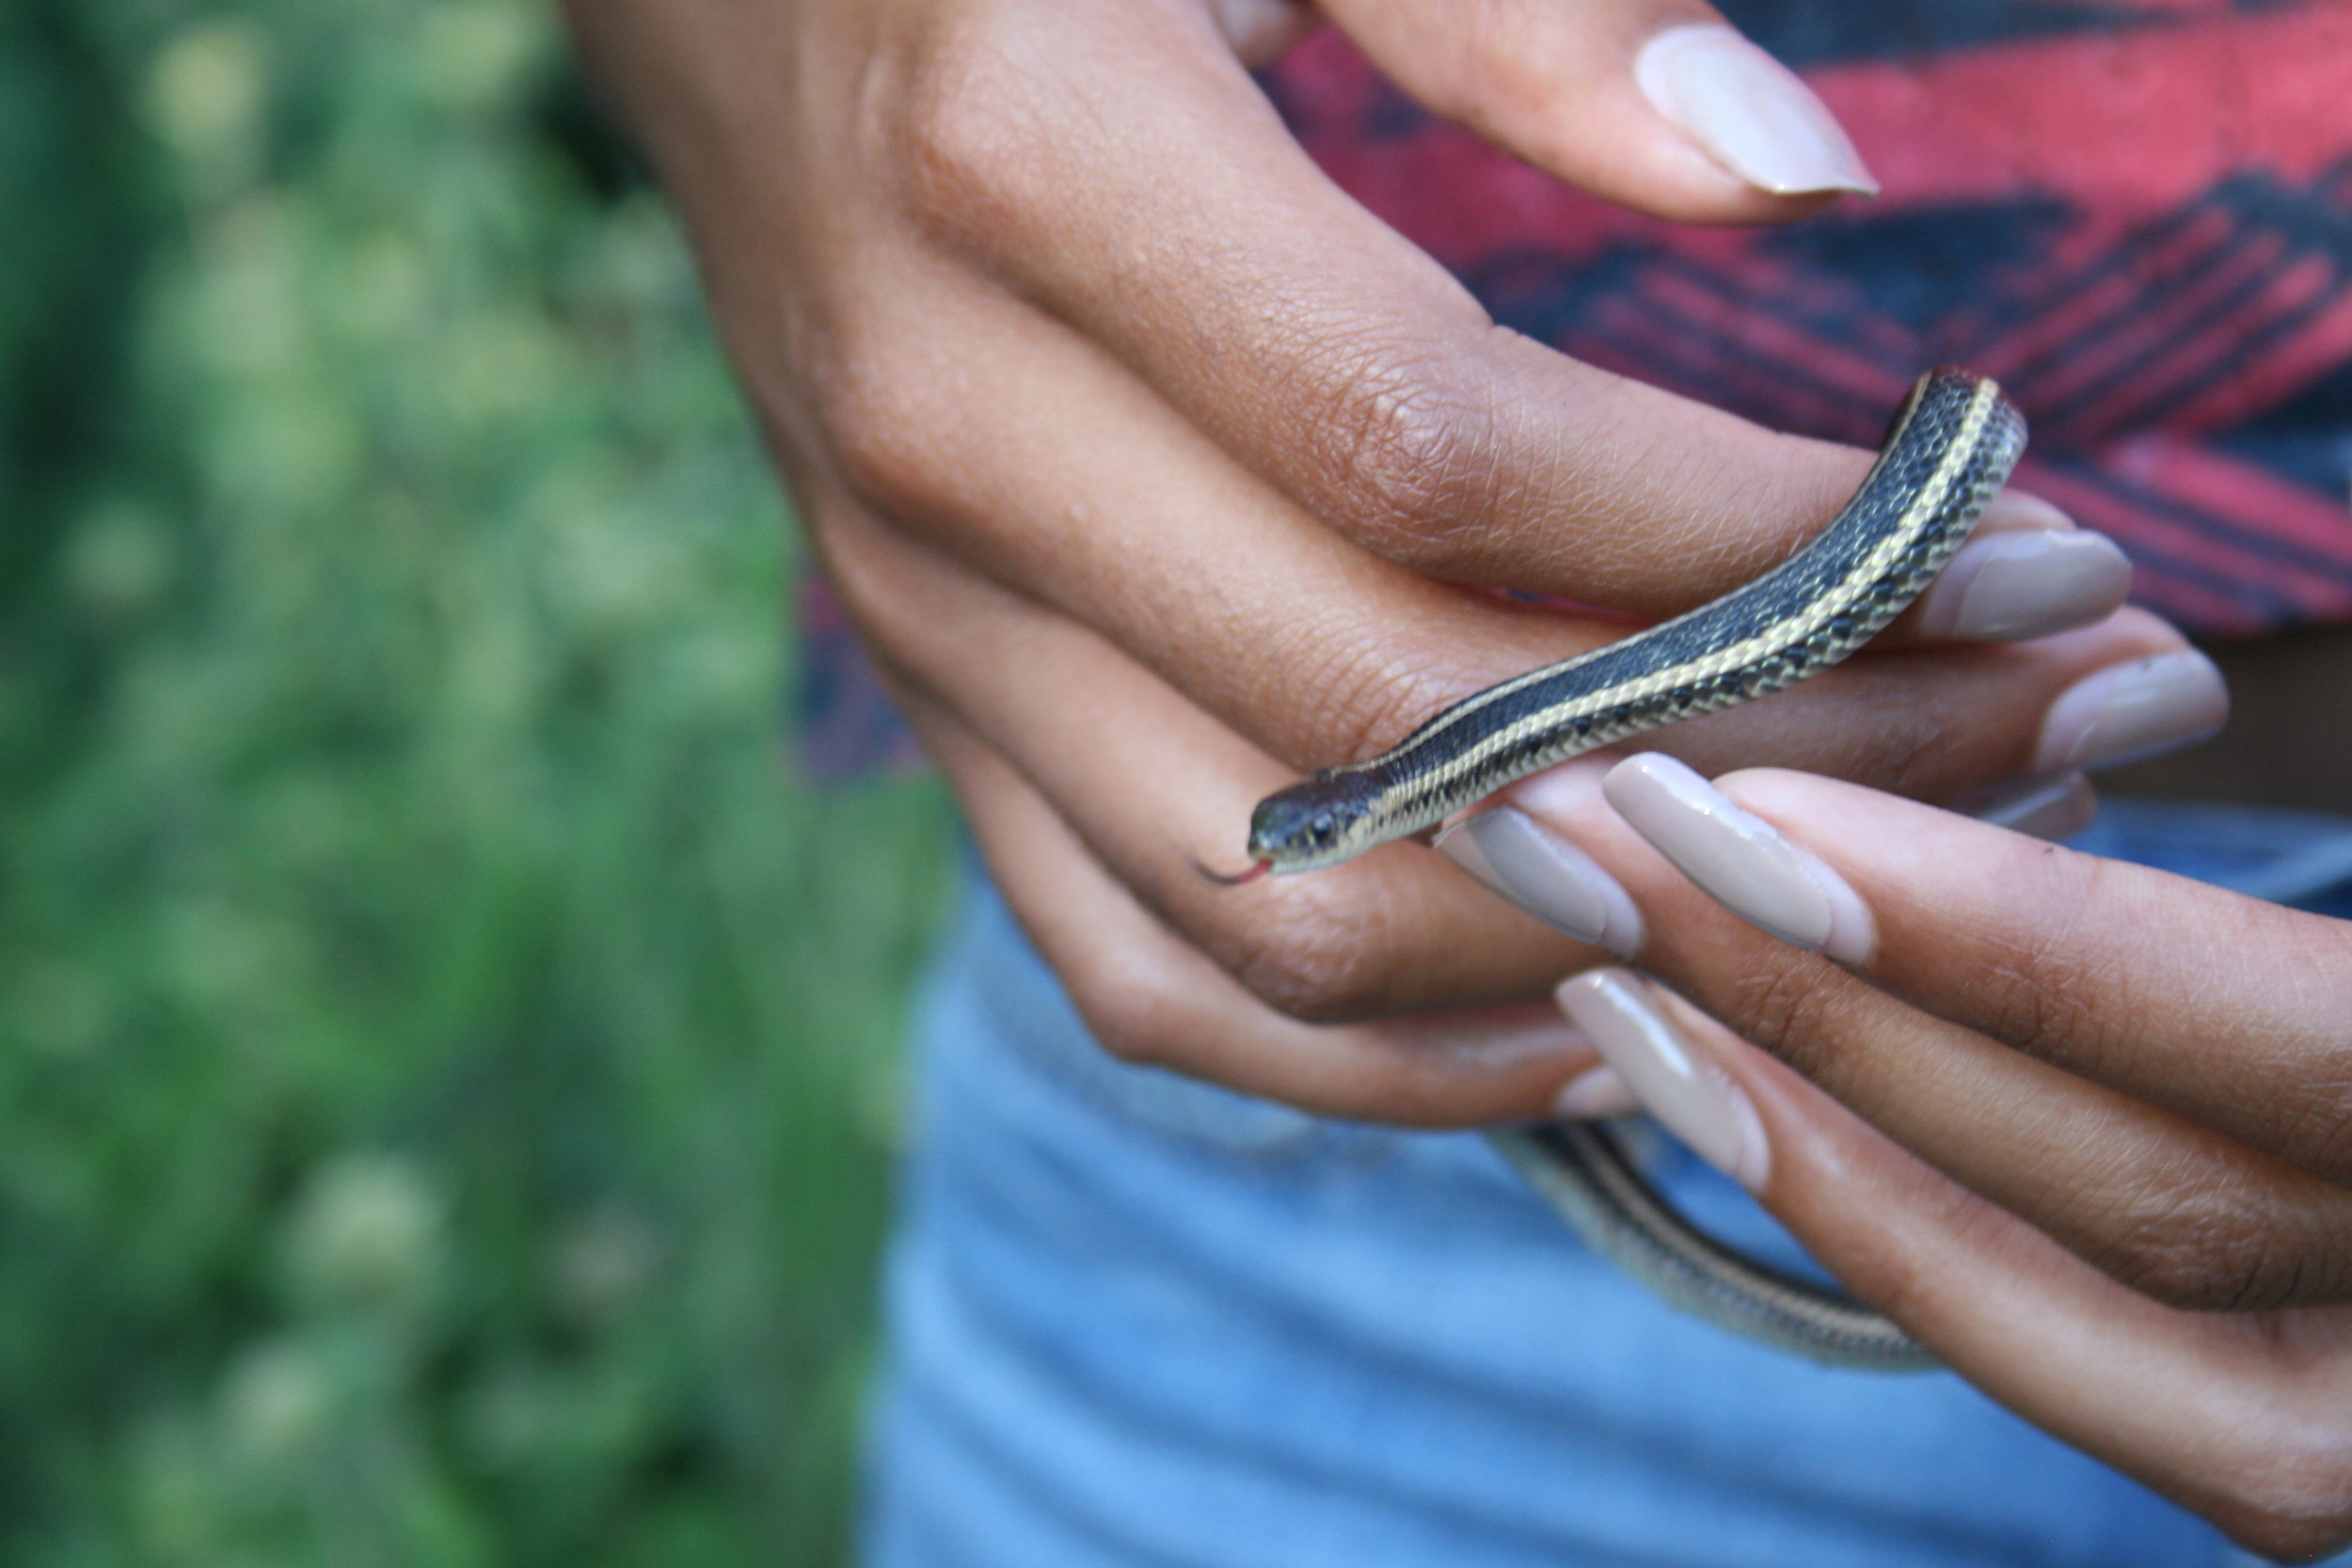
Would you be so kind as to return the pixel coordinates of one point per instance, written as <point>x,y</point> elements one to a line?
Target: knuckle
<point>1411,445</point>
<point>2046,992</point>
<point>859,574</point>
<point>886,444</point>
<point>1314,982</point>
<point>975,125</point>
<point>2312,1119</point>
<point>1131,1005</point>
<point>2300,1106</point>
<point>2213,1249</point>
<point>2287,1493</point>
<point>1784,1007</point>
<point>1312,957</point>
<point>1129,1034</point>
<point>2036,1003</point>
<point>1370,689</point>
<point>1904,747</point>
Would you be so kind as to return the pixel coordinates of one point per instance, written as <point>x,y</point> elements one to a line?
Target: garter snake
<point>1949,449</point>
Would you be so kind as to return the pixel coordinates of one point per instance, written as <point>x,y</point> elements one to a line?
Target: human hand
<point>1152,469</point>
<point>2082,1128</point>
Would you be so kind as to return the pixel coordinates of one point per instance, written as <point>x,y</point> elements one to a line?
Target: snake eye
<point>1321,830</point>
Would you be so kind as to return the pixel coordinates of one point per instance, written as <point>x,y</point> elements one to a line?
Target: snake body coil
<point>1949,451</point>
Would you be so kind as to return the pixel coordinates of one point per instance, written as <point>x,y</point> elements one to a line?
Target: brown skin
<point>1137,450</point>
<point>1146,461</point>
<point>2083,1128</point>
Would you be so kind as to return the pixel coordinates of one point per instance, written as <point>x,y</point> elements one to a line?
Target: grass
<point>446,1051</point>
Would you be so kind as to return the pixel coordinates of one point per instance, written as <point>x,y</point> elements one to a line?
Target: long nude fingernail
<point>1537,869</point>
<point>1596,1094</point>
<point>1690,1095</point>
<point>1749,112</point>
<point>2131,712</point>
<point>1739,860</point>
<point>2006,587</point>
<point>2022,512</point>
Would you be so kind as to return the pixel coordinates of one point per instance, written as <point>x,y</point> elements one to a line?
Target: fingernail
<point>1558,883</point>
<point>2016,511</point>
<point>2006,587</point>
<point>1596,1094</point>
<point>1693,1098</point>
<point>1739,860</point>
<point>1749,112</point>
<point>2052,809</point>
<point>1259,30</point>
<point>2134,711</point>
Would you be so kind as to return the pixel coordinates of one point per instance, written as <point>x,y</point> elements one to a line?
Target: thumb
<point>1656,104</point>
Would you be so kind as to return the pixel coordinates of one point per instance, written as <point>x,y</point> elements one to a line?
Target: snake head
<point>1319,821</point>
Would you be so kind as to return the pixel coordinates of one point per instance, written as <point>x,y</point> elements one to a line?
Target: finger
<point>1149,998</point>
<point>1022,448</point>
<point>1158,790</point>
<point>2169,1206</point>
<point>2027,572</point>
<point>2239,1418</point>
<point>1656,104</point>
<point>2220,1008</point>
<point>1320,656</point>
<point>1021,444</point>
<point>1313,343</point>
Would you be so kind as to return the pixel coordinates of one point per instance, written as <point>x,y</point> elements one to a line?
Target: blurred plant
<point>438,1037</point>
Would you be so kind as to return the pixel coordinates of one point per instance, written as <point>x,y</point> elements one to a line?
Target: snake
<point>1949,449</point>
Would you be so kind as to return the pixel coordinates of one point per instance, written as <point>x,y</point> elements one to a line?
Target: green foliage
<point>445,1057</point>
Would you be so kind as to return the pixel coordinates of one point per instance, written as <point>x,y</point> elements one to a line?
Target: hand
<point>1152,467</point>
<point>2083,1128</point>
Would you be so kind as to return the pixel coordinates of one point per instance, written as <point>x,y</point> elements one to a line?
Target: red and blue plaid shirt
<point>2136,214</point>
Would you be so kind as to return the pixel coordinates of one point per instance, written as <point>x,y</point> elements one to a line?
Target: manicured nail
<point>1739,860</point>
<point>2017,510</point>
<point>1552,880</point>
<point>2052,809</point>
<point>1596,1094</point>
<point>1261,30</point>
<point>2006,587</point>
<point>2134,711</point>
<point>1749,112</point>
<point>1693,1098</point>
